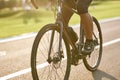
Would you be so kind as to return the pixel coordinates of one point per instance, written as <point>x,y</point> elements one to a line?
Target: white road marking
<point>109,19</point>
<point>16,74</point>
<point>24,36</point>
<point>111,42</point>
<point>22,72</point>
<point>46,64</point>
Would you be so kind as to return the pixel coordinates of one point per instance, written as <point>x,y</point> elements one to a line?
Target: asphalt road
<point>15,57</point>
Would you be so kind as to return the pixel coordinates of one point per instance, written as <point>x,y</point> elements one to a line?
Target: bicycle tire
<point>53,75</point>
<point>88,60</point>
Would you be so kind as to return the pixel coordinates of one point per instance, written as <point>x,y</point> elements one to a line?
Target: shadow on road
<point>98,75</point>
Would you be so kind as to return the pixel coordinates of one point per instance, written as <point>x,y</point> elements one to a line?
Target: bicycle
<point>53,49</point>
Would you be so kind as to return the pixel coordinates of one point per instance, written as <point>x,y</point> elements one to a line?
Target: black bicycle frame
<point>64,29</point>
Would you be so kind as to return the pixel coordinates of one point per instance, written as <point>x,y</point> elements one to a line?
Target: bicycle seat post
<point>59,12</point>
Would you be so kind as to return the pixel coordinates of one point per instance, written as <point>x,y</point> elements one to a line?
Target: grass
<point>19,22</point>
<point>106,9</point>
<point>23,22</point>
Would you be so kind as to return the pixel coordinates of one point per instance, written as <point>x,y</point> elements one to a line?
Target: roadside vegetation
<point>13,23</point>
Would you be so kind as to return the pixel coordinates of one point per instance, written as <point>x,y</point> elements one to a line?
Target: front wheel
<point>93,60</point>
<point>46,64</point>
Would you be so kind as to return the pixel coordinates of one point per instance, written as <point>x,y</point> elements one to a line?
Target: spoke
<point>52,71</point>
<point>57,73</point>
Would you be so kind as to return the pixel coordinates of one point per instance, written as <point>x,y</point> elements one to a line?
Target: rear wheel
<point>46,64</point>
<point>92,61</point>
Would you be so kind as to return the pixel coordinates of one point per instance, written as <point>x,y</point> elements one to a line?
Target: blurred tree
<point>10,4</point>
<point>2,4</point>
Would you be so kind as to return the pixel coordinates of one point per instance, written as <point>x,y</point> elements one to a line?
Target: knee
<point>82,9</point>
<point>82,6</point>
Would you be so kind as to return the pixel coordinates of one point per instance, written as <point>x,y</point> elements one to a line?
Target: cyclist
<point>86,20</point>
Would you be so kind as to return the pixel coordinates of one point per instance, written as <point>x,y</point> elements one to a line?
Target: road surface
<point>15,57</point>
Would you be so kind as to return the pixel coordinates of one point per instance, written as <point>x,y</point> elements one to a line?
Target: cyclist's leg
<point>87,23</point>
<point>86,20</point>
<point>66,14</point>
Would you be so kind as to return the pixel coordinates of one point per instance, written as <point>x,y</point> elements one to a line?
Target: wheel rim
<point>53,70</point>
<point>92,61</point>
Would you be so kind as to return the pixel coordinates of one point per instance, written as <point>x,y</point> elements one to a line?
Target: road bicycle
<point>54,49</point>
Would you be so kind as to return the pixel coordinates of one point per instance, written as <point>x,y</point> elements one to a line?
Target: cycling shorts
<point>80,5</point>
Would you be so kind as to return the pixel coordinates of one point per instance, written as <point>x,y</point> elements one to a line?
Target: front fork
<point>58,54</point>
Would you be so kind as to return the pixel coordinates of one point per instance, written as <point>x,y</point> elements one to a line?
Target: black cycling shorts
<point>80,5</point>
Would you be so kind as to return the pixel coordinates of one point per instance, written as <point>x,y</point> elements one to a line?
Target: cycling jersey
<point>80,5</point>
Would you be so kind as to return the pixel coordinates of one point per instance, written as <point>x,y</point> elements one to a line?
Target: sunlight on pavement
<point>3,53</point>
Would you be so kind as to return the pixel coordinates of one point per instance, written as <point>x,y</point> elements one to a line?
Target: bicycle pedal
<point>81,56</point>
<point>75,60</point>
<point>74,63</point>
